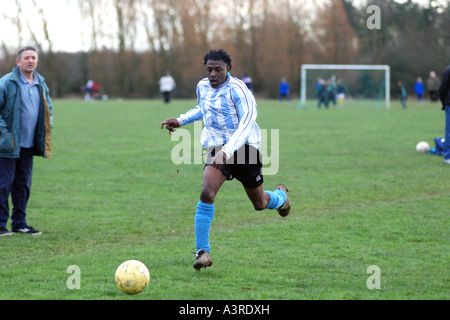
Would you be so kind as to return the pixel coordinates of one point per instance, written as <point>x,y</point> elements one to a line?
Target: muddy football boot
<point>286,207</point>
<point>203,260</point>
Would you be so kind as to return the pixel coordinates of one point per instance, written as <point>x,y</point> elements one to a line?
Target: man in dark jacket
<point>433,85</point>
<point>444,96</point>
<point>25,131</point>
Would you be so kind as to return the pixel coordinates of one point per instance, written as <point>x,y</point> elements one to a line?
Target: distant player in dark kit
<point>403,93</point>
<point>433,86</point>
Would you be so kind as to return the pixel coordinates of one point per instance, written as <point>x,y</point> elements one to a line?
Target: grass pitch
<point>361,196</point>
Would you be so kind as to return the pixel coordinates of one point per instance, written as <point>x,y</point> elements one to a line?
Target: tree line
<point>268,39</point>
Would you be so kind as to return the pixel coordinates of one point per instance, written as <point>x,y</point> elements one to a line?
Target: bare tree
<point>19,23</point>
<point>337,40</point>
<point>44,21</point>
<point>126,34</point>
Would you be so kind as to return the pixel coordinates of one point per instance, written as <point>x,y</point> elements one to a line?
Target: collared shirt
<point>30,110</point>
<point>229,113</point>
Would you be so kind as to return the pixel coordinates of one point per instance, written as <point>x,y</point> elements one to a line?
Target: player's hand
<point>170,124</point>
<point>219,160</point>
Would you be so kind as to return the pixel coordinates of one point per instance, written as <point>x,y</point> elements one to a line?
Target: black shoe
<point>4,232</point>
<point>286,207</point>
<point>203,260</point>
<point>27,230</point>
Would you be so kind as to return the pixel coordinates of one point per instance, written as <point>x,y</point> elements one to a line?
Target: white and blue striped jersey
<point>229,114</point>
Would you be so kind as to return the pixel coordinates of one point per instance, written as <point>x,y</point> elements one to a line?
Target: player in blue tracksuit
<point>228,110</point>
<point>419,89</point>
<point>284,91</point>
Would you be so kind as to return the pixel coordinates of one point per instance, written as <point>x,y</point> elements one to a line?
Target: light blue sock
<point>277,199</point>
<point>203,218</point>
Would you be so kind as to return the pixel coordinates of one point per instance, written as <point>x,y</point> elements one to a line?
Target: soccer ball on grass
<point>422,147</point>
<point>132,277</point>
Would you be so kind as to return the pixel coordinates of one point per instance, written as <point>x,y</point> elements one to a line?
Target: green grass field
<point>361,196</point>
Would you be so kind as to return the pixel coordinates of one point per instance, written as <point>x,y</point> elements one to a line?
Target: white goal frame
<point>306,67</point>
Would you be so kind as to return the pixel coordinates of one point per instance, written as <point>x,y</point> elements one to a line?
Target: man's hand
<point>170,124</point>
<point>219,160</point>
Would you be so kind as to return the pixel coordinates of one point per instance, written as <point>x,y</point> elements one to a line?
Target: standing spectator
<point>320,92</point>
<point>92,90</point>
<point>330,94</point>
<point>88,90</point>
<point>419,88</point>
<point>403,94</point>
<point>284,91</point>
<point>444,96</point>
<point>248,82</point>
<point>95,90</point>
<point>167,86</point>
<point>432,86</point>
<point>26,113</point>
<point>341,89</point>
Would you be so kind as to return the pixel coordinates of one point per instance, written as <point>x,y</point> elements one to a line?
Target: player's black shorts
<point>245,165</point>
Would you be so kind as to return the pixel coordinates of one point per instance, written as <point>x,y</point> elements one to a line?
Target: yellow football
<point>132,277</point>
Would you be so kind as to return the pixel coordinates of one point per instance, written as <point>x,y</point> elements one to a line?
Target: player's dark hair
<point>26,48</point>
<point>218,55</point>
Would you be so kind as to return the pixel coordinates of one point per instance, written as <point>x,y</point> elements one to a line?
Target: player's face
<point>217,72</point>
<point>28,61</point>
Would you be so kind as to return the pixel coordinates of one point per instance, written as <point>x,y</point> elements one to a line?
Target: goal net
<point>366,84</point>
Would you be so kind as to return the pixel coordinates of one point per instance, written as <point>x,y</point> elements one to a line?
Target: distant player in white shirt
<point>232,138</point>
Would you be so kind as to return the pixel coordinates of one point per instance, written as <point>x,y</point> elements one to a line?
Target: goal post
<point>306,67</point>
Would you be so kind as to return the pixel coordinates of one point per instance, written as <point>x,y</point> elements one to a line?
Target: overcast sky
<point>65,29</point>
